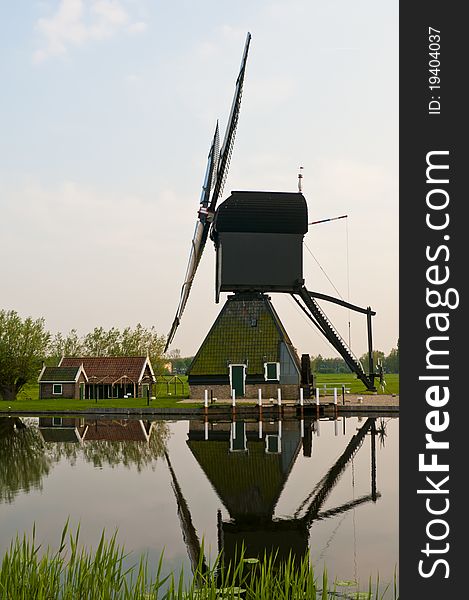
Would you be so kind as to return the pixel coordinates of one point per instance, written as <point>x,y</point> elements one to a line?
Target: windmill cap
<point>263,212</point>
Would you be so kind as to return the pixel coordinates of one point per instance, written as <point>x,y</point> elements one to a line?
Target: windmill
<point>258,238</point>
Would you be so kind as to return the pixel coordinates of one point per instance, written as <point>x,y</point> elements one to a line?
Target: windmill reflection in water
<point>248,465</point>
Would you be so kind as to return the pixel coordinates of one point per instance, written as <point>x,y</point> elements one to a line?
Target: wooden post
<point>373,461</point>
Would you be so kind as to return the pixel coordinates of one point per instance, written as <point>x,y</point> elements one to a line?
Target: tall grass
<point>75,573</point>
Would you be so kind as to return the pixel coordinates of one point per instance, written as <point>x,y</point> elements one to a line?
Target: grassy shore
<point>74,572</point>
<point>168,396</point>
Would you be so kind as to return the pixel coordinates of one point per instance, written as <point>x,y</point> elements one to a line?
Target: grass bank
<point>73,572</point>
<point>354,385</point>
<point>168,396</point>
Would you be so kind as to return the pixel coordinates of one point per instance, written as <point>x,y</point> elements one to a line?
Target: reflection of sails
<point>189,533</point>
<point>327,483</point>
<point>248,479</point>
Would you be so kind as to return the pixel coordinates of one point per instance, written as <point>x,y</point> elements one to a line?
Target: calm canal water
<point>327,486</point>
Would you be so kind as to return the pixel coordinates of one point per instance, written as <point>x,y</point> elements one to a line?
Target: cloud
<point>137,27</point>
<point>76,22</point>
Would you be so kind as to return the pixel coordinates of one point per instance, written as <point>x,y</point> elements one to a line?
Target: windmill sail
<point>215,176</point>
<point>228,141</point>
<point>199,238</point>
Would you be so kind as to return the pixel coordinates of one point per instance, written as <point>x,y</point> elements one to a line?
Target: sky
<point>107,112</point>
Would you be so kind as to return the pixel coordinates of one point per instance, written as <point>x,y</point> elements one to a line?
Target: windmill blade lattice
<point>228,141</point>
<point>199,238</point>
<point>215,177</point>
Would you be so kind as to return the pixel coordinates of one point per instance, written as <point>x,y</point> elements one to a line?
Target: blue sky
<point>107,112</point>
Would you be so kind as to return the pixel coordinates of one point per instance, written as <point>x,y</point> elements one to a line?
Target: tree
<point>378,356</point>
<point>69,345</point>
<point>23,345</point>
<point>391,362</point>
<point>181,364</point>
<point>328,365</point>
<point>24,461</point>
<point>139,341</point>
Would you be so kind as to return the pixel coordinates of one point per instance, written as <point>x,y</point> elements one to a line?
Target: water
<point>328,486</point>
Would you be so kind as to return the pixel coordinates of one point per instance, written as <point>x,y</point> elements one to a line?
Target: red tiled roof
<point>116,431</point>
<point>108,369</point>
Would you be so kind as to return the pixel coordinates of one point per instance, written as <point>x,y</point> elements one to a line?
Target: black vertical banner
<point>434,369</point>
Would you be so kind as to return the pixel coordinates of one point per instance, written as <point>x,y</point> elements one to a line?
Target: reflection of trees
<point>138,454</point>
<point>24,460</point>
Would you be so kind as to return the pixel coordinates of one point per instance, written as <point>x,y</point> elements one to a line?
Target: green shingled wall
<point>247,483</point>
<point>244,332</point>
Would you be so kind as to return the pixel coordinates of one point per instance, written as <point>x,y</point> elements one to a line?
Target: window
<point>273,444</point>
<point>238,437</point>
<point>272,371</point>
<point>56,389</point>
<point>57,421</point>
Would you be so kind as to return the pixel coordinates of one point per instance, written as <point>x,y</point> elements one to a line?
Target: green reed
<point>74,572</point>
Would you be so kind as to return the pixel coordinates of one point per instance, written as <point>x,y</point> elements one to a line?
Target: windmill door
<point>237,379</point>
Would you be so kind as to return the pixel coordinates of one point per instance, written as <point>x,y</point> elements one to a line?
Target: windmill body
<point>258,238</point>
<point>259,242</point>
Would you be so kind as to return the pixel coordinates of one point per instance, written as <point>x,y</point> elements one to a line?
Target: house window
<point>273,444</point>
<point>56,389</point>
<point>272,371</point>
<point>57,421</point>
<point>238,437</point>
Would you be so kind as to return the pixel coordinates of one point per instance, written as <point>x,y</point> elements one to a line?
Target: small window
<point>272,371</point>
<point>57,389</point>
<point>272,444</point>
<point>238,437</point>
<point>57,421</point>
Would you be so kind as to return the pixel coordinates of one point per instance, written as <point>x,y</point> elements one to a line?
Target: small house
<point>62,382</point>
<point>98,377</point>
